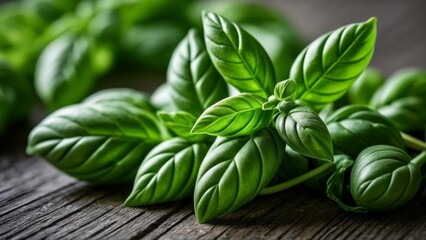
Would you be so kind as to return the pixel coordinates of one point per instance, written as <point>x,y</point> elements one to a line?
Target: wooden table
<point>37,201</point>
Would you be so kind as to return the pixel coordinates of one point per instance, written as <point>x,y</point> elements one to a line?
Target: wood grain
<point>45,203</point>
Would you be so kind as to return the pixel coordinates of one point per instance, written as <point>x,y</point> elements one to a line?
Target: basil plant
<point>223,148</point>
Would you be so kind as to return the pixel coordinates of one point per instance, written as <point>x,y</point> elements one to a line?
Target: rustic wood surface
<point>38,202</point>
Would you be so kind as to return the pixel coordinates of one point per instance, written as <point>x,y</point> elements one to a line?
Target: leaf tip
<point>372,21</point>
<point>130,201</point>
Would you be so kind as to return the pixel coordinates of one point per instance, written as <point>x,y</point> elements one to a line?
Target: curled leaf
<point>168,173</point>
<point>383,178</point>
<point>337,186</point>
<point>304,131</point>
<point>401,99</point>
<point>238,56</point>
<point>234,171</point>
<point>234,116</point>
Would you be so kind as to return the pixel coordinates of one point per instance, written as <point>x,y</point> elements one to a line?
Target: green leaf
<point>304,131</point>
<point>168,173</point>
<point>337,188</point>
<point>365,86</point>
<point>383,178</point>
<point>404,83</point>
<point>408,113</point>
<point>280,41</point>
<point>285,90</point>
<point>181,124</point>
<point>354,128</point>
<point>234,116</point>
<point>234,171</point>
<point>99,142</point>
<point>161,98</point>
<point>327,68</point>
<point>127,95</point>
<point>293,165</point>
<point>64,73</point>
<point>194,82</point>
<point>151,45</point>
<point>238,56</point>
<point>3,111</point>
<point>401,99</point>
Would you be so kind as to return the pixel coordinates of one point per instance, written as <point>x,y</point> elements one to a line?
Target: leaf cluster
<point>227,126</point>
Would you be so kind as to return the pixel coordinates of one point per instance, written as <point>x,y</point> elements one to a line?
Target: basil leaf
<point>293,165</point>
<point>168,173</point>
<point>404,83</point>
<point>383,178</point>
<point>362,91</point>
<point>354,128</point>
<point>161,98</point>
<point>327,68</point>
<point>234,171</point>
<point>99,142</point>
<point>234,116</point>
<point>64,73</point>
<point>401,97</point>
<point>238,56</point>
<point>304,131</point>
<point>285,90</point>
<point>337,188</point>
<point>137,98</point>
<point>181,124</point>
<point>194,82</point>
<point>406,113</point>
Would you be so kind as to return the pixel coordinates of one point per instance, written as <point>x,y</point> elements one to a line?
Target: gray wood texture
<point>39,202</point>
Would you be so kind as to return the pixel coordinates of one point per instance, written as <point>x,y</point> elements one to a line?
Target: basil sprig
<point>225,150</point>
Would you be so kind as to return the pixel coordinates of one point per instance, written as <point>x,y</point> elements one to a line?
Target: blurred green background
<point>54,52</point>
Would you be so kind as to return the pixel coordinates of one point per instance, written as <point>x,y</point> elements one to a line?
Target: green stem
<point>420,159</point>
<point>413,142</point>
<point>297,180</point>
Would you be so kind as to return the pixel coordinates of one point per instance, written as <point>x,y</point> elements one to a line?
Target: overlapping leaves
<point>238,56</point>
<point>234,171</point>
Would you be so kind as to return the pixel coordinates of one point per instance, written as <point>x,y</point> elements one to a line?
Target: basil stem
<point>420,159</point>
<point>413,142</point>
<point>297,180</point>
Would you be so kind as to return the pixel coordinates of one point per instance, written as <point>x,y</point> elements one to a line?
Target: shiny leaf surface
<point>97,142</point>
<point>234,116</point>
<point>238,56</point>
<point>328,67</point>
<point>304,131</point>
<point>383,178</point>
<point>234,171</point>
<point>168,173</point>
<point>354,128</point>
